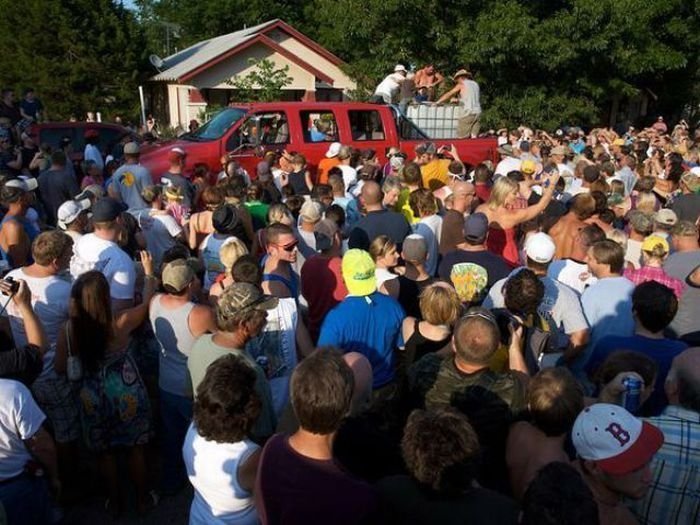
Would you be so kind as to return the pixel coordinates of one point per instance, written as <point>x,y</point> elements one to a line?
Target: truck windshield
<point>215,128</point>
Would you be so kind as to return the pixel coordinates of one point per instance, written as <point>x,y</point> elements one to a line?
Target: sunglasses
<point>481,315</point>
<point>288,247</point>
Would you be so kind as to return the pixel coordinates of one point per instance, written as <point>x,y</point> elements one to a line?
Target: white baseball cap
<point>69,211</point>
<point>333,150</point>
<point>616,440</point>
<point>399,69</point>
<point>540,248</point>
<point>23,183</point>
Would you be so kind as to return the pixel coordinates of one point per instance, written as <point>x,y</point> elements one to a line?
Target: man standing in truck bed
<point>469,120</point>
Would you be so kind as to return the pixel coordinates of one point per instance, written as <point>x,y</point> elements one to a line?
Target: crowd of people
<point>416,341</point>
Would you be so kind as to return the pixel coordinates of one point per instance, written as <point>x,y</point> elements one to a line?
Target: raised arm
<point>520,216</point>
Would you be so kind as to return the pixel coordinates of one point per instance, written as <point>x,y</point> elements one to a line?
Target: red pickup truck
<point>244,131</point>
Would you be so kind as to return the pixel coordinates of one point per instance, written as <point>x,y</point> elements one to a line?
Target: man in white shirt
<point>24,496</point>
<point>50,293</point>
<point>100,251</point>
<point>560,303</point>
<point>130,179</point>
<point>390,86</point>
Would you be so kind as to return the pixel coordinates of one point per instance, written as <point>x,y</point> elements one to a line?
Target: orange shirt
<point>435,171</point>
<point>324,166</point>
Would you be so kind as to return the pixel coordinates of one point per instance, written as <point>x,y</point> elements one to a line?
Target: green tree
<point>544,62</point>
<point>79,55</point>
<point>263,84</point>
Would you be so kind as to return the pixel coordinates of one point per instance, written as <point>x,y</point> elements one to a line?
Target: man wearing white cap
<point>614,450</point>
<point>73,218</point>
<point>560,303</point>
<point>390,86</point>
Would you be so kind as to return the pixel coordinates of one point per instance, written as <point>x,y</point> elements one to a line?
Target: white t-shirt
<point>574,274</point>
<point>129,181</point>
<point>507,165</point>
<point>571,183</point>
<point>212,469</point>
<point>73,235</point>
<point>383,275</point>
<point>634,253</point>
<point>469,97</point>
<point>307,244</point>
<point>160,231</point>
<point>93,253</point>
<point>349,177</point>
<point>20,419</point>
<point>389,87</point>
<point>50,298</point>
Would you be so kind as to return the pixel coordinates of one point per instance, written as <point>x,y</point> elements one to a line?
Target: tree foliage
<point>79,55</point>
<point>263,84</point>
<point>541,61</point>
<point>545,62</point>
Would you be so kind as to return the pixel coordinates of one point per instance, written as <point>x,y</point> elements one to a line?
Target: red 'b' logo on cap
<point>619,433</point>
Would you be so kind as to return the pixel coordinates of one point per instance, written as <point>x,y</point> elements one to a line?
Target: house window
<point>319,126</point>
<point>366,125</point>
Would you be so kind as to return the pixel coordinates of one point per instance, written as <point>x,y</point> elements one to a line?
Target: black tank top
<point>409,292</point>
<point>418,345</point>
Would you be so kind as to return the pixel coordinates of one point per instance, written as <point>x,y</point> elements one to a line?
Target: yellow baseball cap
<point>358,273</point>
<point>528,167</point>
<point>651,242</point>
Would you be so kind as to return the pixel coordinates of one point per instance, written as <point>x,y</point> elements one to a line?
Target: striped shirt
<point>674,494</point>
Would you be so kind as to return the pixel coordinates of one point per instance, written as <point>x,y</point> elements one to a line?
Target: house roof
<point>191,61</point>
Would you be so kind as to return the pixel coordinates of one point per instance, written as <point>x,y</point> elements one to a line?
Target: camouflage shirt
<point>491,401</point>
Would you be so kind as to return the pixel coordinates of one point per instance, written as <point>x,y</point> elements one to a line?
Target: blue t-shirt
<point>370,325</point>
<point>661,351</point>
<point>607,306</point>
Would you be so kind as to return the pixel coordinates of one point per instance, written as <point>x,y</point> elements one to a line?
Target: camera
<point>14,285</point>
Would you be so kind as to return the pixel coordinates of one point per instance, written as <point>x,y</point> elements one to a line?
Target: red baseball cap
<point>614,439</point>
